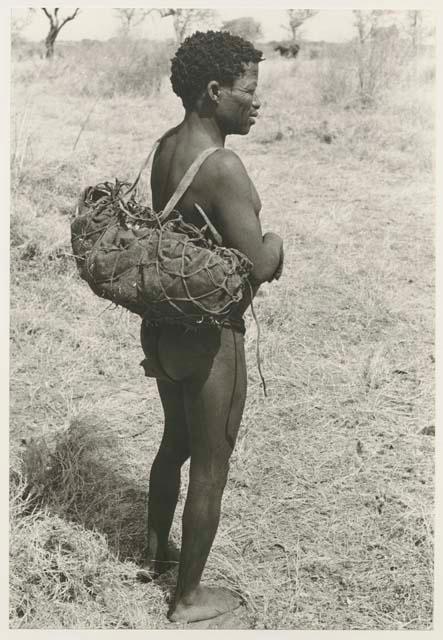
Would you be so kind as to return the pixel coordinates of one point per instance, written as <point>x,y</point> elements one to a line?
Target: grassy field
<point>328,512</point>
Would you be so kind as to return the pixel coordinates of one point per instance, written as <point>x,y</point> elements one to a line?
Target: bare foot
<point>203,604</point>
<point>163,561</point>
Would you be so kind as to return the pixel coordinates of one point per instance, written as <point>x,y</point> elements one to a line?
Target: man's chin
<point>243,131</point>
<point>246,129</point>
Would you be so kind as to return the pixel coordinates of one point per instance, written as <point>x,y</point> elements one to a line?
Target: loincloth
<point>150,336</point>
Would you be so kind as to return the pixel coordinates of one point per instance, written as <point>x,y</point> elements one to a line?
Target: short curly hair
<point>206,56</point>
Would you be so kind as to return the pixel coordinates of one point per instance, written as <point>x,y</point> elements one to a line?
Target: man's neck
<point>203,127</point>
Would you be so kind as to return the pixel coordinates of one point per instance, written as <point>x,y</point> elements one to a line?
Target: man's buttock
<point>175,353</point>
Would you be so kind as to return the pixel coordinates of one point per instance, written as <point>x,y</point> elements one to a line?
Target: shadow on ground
<point>86,475</point>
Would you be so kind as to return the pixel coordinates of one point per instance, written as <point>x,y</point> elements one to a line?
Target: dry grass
<point>328,512</point>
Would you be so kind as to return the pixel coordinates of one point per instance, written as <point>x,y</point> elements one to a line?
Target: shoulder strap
<point>146,162</point>
<point>142,168</point>
<point>186,181</point>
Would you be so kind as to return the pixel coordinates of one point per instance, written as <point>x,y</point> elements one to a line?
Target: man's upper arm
<point>233,207</point>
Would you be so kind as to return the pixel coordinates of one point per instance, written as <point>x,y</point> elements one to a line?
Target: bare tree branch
<point>297,17</point>
<point>69,18</point>
<point>183,19</point>
<point>131,17</point>
<point>48,15</point>
<point>246,27</point>
<point>164,13</point>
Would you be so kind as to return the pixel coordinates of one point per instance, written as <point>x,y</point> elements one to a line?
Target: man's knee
<point>173,454</point>
<point>212,477</point>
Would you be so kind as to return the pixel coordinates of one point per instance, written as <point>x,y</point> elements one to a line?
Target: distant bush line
<point>104,69</point>
<point>123,66</point>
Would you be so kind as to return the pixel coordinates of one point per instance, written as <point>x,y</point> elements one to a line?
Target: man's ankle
<point>187,597</point>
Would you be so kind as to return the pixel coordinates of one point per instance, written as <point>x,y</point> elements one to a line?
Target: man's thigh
<point>214,400</point>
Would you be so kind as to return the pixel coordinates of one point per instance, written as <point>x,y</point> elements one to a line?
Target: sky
<point>330,25</point>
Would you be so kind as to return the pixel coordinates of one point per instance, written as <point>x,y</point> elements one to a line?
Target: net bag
<point>155,265</point>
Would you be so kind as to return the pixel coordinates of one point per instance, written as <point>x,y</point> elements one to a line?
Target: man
<point>202,375</point>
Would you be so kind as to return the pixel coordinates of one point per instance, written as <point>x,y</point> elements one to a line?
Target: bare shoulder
<point>227,180</point>
<point>225,165</point>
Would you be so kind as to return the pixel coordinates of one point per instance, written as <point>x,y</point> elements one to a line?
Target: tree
<point>246,27</point>
<point>297,17</point>
<point>131,18</point>
<point>55,26</point>
<point>366,23</point>
<point>19,21</point>
<point>415,29</point>
<point>376,49</point>
<point>184,20</point>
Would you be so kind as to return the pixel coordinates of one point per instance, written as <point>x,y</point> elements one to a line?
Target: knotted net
<point>157,266</point>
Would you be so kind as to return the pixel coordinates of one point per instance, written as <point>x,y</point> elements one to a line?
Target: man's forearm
<point>263,271</point>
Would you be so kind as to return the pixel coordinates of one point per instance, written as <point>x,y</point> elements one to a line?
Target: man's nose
<point>256,102</point>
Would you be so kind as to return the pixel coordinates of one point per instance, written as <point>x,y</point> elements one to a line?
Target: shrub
<point>360,72</point>
<point>134,68</point>
<point>100,69</point>
<point>336,80</point>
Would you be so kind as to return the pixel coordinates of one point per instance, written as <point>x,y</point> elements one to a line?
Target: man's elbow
<point>261,274</point>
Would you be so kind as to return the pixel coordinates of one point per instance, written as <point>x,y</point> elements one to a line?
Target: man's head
<point>207,57</point>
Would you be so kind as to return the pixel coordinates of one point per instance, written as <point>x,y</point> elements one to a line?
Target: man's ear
<point>213,90</point>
